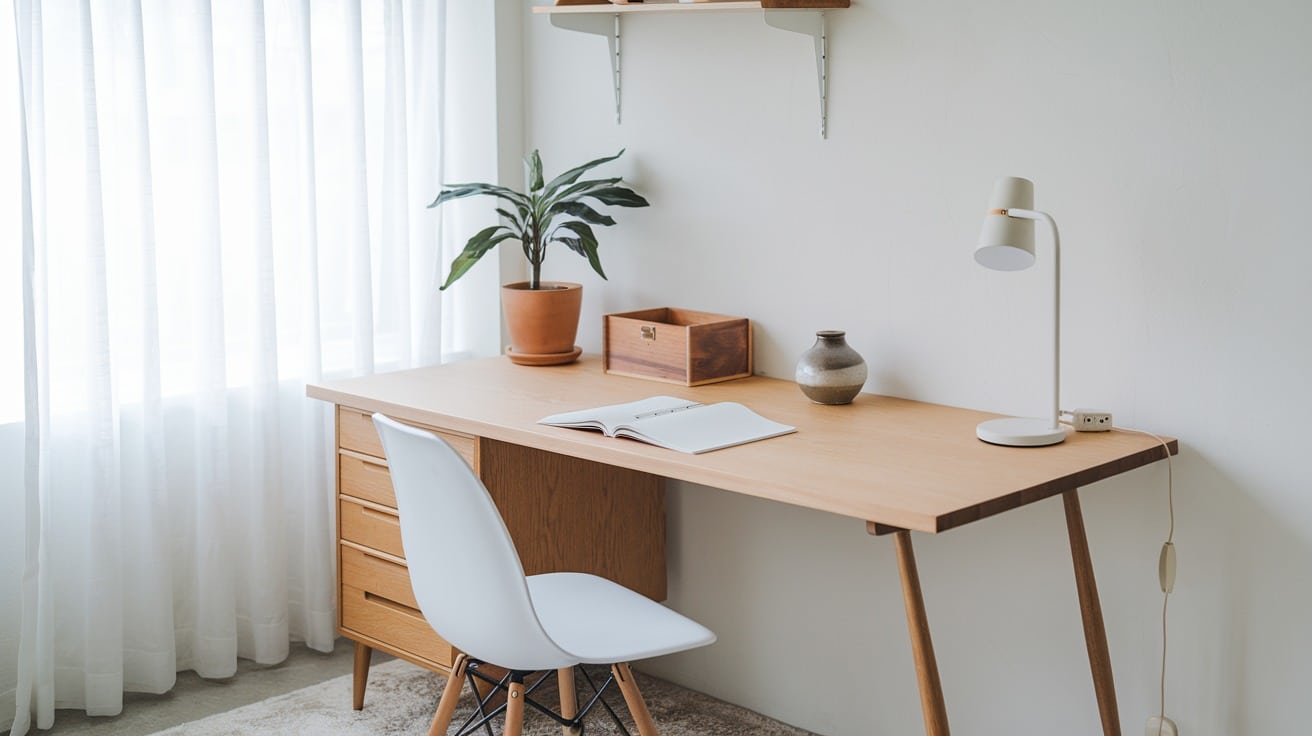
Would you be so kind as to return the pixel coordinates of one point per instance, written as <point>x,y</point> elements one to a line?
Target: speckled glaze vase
<point>831,372</point>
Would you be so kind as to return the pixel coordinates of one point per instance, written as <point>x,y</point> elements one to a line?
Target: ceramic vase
<point>831,372</point>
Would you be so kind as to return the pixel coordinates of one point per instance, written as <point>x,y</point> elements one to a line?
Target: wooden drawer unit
<point>369,525</point>
<point>376,606</point>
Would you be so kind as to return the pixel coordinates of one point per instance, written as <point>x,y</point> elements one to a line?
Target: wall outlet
<point>1158,725</point>
<point>1091,420</point>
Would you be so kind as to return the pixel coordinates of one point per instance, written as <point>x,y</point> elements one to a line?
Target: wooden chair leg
<point>633,698</point>
<point>922,647</point>
<point>515,709</point>
<point>1095,634</point>
<point>360,675</point>
<point>446,707</point>
<point>569,702</point>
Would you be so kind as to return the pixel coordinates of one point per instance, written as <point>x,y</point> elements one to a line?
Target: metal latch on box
<point>648,332</point>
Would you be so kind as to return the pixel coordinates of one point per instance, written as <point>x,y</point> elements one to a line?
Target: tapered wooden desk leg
<point>360,675</point>
<point>1095,635</point>
<point>922,648</point>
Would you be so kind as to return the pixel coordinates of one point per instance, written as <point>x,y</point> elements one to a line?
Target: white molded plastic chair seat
<point>600,622</point>
<point>471,587</point>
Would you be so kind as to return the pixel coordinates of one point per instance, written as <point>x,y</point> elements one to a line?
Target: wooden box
<point>677,346</point>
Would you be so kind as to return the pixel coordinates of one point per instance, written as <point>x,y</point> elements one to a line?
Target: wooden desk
<point>896,465</point>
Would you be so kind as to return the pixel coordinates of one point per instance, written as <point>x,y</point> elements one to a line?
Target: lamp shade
<point>1007,243</point>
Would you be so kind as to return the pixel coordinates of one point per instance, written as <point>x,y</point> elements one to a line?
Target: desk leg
<point>922,648</point>
<point>361,675</point>
<point>1095,635</point>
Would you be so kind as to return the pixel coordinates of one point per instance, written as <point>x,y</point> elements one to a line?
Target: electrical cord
<point>1167,575</point>
<point>1166,562</point>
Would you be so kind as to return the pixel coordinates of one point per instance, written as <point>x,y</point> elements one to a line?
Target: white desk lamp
<point>1007,244</point>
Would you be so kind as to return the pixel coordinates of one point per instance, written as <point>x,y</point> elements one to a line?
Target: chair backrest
<point>464,569</point>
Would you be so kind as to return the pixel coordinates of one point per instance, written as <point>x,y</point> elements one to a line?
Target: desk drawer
<point>355,431</point>
<point>369,526</point>
<point>374,574</point>
<point>365,478</point>
<point>400,626</point>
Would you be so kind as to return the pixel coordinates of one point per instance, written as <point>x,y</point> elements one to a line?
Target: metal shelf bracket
<point>599,25</point>
<point>806,22</point>
<point>811,23</point>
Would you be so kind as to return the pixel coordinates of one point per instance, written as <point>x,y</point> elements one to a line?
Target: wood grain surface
<point>567,514</point>
<point>898,463</point>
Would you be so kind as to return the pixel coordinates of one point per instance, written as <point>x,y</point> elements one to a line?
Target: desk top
<point>894,462</point>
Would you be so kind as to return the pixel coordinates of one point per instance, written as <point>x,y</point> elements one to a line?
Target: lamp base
<point>1015,432</point>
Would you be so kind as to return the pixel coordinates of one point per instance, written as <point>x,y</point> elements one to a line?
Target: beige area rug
<point>401,698</point>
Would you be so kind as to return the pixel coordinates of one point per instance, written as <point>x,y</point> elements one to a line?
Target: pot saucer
<point>569,356</point>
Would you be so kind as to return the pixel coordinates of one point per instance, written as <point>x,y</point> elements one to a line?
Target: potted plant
<point>543,316</point>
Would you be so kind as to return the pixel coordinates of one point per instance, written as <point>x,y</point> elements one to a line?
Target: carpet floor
<point>400,699</point>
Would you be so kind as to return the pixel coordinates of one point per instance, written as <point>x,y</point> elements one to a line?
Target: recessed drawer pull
<point>389,603</point>
<point>377,554</point>
<point>375,463</point>
<point>389,518</point>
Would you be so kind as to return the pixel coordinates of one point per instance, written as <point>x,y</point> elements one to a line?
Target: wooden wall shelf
<point>592,6</point>
<point>602,18</point>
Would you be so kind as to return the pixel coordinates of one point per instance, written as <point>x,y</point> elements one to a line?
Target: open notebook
<point>675,424</point>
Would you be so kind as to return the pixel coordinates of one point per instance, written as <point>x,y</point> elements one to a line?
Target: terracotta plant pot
<point>542,322</point>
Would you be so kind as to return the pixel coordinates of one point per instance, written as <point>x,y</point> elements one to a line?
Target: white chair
<point>472,590</point>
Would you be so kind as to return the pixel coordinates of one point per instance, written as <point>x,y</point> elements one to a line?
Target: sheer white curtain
<point>219,202</point>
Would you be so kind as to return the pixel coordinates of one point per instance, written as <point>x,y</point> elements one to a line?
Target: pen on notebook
<point>670,410</point>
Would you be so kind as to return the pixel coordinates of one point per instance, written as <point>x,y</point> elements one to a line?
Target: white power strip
<point>1091,420</point>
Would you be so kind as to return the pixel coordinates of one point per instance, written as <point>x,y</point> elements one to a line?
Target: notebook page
<point>705,428</point>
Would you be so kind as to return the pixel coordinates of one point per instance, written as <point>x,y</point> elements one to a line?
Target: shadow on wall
<point>1261,668</point>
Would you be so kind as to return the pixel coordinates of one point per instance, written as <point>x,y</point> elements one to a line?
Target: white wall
<point>1171,142</point>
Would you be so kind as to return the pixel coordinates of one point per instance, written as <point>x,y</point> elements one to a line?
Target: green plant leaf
<point>535,218</point>
<point>534,165</point>
<point>511,216</point>
<point>460,191</point>
<point>476,248</point>
<point>575,191</point>
<point>571,176</point>
<point>618,196</point>
<point>585,244</point>
<point>446,195</point>
<point>581,211</point>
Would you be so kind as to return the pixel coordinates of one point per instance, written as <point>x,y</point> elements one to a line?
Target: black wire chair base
<point>481,718</point>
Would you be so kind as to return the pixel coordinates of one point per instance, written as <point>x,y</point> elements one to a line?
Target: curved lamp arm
<point>1056,301</point>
